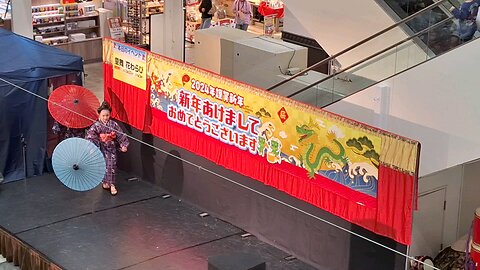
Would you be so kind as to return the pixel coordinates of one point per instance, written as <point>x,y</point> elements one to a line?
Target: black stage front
<point>137,229</point>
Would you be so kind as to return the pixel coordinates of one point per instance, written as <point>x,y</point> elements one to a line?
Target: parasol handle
<point>75,167</point>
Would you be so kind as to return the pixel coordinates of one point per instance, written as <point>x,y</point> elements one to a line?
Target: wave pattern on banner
<point>278,133</point>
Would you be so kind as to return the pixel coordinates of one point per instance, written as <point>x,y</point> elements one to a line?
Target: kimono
<point>64,132</point>
<point>108,137</point>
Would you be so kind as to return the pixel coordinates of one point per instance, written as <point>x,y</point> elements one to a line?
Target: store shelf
<point>50,33</point>
<point>79,18</point>
<point>76,42</point>
<point>90,49</point>
<point>82,29</point>
<point>136,22</point>
<point>46,24</point>
<point>41,13</point>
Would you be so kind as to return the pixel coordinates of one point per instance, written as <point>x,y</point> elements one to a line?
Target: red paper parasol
<point>73,106</point>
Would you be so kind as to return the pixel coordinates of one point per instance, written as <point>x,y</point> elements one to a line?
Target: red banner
<point>389,214</point>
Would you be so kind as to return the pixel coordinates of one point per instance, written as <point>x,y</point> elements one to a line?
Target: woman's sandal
<point>113,190</point>
<point>105,185</point>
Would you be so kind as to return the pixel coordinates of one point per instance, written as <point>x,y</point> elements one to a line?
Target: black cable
<point>291,58</point>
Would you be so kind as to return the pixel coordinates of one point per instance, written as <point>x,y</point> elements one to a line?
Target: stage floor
<point>137,229</point>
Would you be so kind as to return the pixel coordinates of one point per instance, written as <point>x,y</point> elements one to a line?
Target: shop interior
<point>5,14</point>
<point>78,25</point>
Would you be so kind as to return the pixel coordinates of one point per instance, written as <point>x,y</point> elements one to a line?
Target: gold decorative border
<point>397,152</point>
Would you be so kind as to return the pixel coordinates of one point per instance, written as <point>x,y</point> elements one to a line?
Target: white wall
<point>22,18</point>
<point>436,103</point>
<point>337,25</point>
<point>470,197</point>
<point>462,199</point>
<point>167,31</point>
<point>450,180</point>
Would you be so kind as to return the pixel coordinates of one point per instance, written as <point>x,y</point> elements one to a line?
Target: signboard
<point>116,30</point>
<point>129,65</point>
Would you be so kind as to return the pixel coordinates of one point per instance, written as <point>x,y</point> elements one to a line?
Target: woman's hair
<point>104,106</point>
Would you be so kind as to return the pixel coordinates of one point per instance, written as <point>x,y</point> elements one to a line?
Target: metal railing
<point>334,56</point>
<point>424,31</point>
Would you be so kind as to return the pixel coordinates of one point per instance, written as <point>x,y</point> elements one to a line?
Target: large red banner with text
<point>359,173</point>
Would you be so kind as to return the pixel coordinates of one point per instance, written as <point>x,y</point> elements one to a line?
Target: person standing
<point>108,136</point>
<point>466,15</point>
<point>204,8</point>
<point>243,14</point>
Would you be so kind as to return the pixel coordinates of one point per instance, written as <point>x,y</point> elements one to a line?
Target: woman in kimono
<point>108,135</point>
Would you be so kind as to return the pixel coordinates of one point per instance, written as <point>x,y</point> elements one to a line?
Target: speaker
<point>236,261</point>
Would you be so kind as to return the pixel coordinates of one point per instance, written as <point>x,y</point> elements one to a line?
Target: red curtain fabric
<point>395,202</point>
<point>390,214</point>
<point>130,104</point>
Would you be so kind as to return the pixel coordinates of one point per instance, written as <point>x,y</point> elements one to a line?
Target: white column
<point>382,108</point>
<point>167,31</point>
<point>22,18</point>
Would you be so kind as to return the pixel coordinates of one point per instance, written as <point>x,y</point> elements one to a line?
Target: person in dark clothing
<point>466,15</point>
<point>64,132</point>
<point>204,8</point>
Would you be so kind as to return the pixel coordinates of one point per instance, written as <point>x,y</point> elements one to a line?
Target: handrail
<point>373,55</point>
<point>358,43</point>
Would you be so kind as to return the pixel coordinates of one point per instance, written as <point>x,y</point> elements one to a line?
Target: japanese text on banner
<point>129,65</point>
<point>280,133</point>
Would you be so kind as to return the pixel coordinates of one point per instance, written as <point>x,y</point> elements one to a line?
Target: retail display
<point>137,20</point>
<point>154,7</point>
<point>86,10</point>
<point>57,23</point>
<point>227,22</point>
<point>135,24</point>
<point>71,10</point>
<point>69,25</point>
<point>48,15</point>
<point>193,19</point>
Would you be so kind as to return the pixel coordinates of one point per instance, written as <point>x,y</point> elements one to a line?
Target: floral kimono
<point>108,137</point>
<point>64,132</point>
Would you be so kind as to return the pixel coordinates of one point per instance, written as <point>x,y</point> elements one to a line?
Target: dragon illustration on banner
<point>313,156</point>
<point>286,135</point>
<point>328,156</point>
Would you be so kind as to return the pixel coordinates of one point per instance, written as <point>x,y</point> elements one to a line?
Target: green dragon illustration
<point>309,140</point>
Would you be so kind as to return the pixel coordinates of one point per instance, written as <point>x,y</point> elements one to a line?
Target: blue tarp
<point>28,64</point>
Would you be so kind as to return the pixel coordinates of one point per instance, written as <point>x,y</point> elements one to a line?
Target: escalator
<point>401,9</point>
<point>431,33</point>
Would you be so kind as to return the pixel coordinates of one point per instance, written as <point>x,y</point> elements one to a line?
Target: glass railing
<point>375,63</point>
<point>369,45</point>
<point>401,9</point>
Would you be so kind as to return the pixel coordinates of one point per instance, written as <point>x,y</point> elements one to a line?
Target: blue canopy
<point>23,116</point>
<point>24,59</point>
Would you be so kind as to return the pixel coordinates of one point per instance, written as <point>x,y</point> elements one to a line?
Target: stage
<point>137,229</point>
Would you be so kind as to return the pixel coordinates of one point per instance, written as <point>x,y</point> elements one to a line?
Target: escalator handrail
<point>372,56</point>
<point>430,7</point>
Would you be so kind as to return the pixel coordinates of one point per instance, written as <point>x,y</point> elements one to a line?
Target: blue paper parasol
<point>78,164</point>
